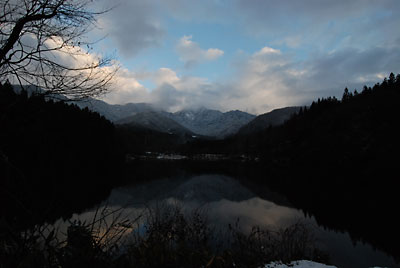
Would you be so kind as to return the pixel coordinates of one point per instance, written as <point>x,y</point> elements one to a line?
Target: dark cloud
<point>134,25</point>
<point>354,67</point>
<point>321,23</point>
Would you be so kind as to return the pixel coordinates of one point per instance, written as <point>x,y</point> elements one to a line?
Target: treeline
<point>54,157</point>
<point>138,140</point>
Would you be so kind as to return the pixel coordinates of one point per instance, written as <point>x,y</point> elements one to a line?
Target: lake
<point>228,200</point>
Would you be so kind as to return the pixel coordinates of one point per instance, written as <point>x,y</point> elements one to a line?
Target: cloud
<point>320,23</point>
<point>353,67</point>
<point>259,86</point>
<point>268,50</point>
<point>191,53</point>
<point>260,83</point>
<point>209,11</point>
<point>133,25</point>
<point>269,79</point>
<point>172,93</point>
<point>175,93</point>
<point>165,76</point>
<point>126,89</point>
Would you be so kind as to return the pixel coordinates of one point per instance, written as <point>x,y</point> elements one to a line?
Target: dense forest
<point>53,155</point>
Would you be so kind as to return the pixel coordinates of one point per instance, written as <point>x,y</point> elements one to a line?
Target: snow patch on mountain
<point>209,122</point>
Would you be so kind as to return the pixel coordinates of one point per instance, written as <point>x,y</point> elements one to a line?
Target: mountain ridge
<point>203,121</point>
<point>272,118</point>
<point>209,122</point>
<point>155,121</point>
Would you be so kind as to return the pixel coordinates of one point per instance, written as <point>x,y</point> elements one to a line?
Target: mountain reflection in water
<point>224,200</point>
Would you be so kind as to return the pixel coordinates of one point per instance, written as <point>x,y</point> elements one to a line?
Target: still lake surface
<point>226,200</point>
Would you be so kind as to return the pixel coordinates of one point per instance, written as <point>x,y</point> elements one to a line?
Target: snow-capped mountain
<point>202,121</point>
<point>211,122</point>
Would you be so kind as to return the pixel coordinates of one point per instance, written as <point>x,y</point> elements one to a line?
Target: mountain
<point>202,121</point>
<point>273,118</point>
<point>155,121</point>
<point>211,122</point>
<point>115,112</point>
<point>112,112</point>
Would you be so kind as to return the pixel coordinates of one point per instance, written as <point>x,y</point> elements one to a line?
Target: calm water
<point>225,200</point>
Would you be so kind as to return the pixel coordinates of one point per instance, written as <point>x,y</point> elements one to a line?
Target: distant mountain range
<point>189,122</point>
<point>203,122</point>
<point>214,123</point>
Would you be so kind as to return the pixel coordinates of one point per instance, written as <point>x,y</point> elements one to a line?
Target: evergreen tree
<point>346,95</point>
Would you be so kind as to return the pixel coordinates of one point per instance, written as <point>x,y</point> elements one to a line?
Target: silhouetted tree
<point>392,79</point>
<point>346,94</point>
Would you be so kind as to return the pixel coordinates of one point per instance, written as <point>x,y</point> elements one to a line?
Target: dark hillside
<point>138,139</point>
<point>52,156</point>
<point>155,121</point>
<point>273,118</point>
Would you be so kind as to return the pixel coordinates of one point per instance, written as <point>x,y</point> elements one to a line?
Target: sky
<point>250,55</point>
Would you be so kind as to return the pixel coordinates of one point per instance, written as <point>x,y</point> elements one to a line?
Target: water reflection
<point>225,200</point>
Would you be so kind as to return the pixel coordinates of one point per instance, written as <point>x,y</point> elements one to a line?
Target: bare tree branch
<point>41,45</point>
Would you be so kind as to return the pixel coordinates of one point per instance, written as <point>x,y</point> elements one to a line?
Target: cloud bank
<point>265,80</point>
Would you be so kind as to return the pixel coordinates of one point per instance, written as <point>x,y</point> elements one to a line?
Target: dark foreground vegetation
<point>163,236</point>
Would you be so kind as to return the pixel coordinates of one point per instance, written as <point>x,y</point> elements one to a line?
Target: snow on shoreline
<point>298,264</point>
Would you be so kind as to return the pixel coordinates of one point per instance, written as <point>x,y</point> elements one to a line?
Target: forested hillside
<point>343,155</point>
<point>52,155</point>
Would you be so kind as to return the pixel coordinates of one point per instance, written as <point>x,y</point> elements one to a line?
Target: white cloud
<point>126,89</point>
<point>191,53</point>
<point>268,50</point>
<point>171,93</point>
<point>175,93</point>
<point>213,53</point>
<point>165,76</point>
